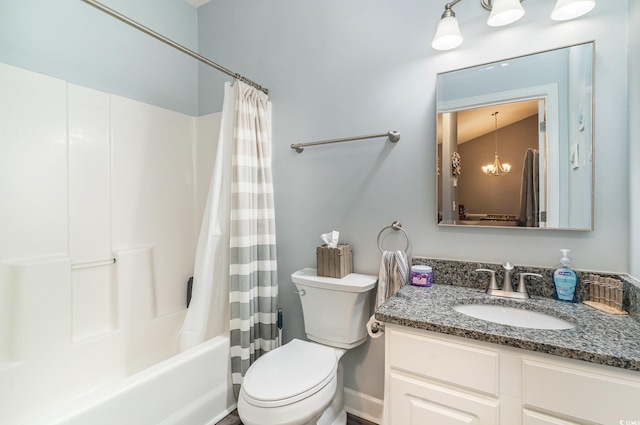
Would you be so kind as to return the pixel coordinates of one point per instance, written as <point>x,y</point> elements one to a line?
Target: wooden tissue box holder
<point>334,262</point>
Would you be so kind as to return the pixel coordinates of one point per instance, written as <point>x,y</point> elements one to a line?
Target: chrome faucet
<point>507,287</point>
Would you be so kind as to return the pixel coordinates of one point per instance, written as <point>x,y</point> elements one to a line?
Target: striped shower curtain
<point>253,285</point>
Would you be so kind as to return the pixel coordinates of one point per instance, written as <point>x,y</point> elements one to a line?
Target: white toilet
<point>300,382</point>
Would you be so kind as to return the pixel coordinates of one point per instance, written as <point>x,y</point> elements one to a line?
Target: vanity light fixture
<point>570,9</point>
<point>448,34</point>
<point>496,169</point>
<point>503,12</point>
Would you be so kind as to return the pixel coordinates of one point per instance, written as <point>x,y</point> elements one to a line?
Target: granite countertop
<point>598,337</point>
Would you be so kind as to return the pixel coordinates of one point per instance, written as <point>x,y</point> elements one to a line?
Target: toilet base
<point>335,413</point>
<point>340,419</point>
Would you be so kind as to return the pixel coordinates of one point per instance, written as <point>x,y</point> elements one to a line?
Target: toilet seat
<point>289,374</point>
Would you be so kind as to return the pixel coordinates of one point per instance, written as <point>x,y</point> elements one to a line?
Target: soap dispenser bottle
<point>565,280</point>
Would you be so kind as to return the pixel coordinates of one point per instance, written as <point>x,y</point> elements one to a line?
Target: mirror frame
<point>549,91</point>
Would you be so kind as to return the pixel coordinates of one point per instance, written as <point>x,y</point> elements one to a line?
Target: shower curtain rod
<point>173,44</point>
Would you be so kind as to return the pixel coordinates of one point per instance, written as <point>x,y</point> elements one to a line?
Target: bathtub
<point>129,371</point>
<point>190,388</point>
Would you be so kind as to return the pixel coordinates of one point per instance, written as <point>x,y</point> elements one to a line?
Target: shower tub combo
<point>94,259</point>
<point>133,374</point>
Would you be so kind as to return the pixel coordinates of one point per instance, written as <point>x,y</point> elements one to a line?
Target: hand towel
<point>394,273</point>
<point>530,191</point>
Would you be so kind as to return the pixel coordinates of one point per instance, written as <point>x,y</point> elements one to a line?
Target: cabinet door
<point>581,393</point>
<point>536,418</point>
<point>416,402</point>
<point>462,365</point>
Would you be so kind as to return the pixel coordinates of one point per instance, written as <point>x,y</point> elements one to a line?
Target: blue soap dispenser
<point>565,280</point>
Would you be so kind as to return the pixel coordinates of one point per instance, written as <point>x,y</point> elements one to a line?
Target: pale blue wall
<point>634,138</point>
<point>237,39</point>
<point>73,41</point>
<point>337,69</point>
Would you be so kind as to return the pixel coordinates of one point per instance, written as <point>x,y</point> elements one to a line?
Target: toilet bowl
<point>291,385</point>
<point>300,382</point>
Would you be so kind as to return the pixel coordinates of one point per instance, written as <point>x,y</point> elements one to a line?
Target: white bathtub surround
<point>88,177</point>
<point>253,283</point>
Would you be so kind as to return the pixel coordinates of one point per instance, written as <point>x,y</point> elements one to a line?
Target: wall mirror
<point>515,142</point>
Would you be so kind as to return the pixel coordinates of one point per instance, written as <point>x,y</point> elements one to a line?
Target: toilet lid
<point>290,373</point>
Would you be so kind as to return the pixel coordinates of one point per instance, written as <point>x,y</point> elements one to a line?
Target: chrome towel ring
<point>396,225</point>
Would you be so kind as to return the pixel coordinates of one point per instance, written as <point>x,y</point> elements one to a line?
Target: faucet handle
<point>522,286</point>
<point>493,285</point>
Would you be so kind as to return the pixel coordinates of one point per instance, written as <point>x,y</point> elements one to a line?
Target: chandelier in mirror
<point>496,169</point>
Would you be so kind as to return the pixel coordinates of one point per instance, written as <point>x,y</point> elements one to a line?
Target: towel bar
<point>393,136</point>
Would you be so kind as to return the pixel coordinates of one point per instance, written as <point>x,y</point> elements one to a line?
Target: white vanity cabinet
<point>433,378</point>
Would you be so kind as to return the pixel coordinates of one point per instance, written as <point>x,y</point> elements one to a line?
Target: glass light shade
<point>496,169</point>
<point>505,12</point>
<point>448,34</point>
<point>569,9</point>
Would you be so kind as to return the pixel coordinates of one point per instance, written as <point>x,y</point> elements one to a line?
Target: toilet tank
<point>335,311</point>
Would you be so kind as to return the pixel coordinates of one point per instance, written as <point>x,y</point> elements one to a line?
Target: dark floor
<point>233,419</point>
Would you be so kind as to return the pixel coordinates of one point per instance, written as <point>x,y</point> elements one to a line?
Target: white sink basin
<point>513,316</point>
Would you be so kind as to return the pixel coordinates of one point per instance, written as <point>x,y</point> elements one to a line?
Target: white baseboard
<point>363,406</point>
<point>222,415</point>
